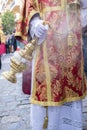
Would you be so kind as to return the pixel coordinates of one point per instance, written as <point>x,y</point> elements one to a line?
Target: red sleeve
<point>28,9</point>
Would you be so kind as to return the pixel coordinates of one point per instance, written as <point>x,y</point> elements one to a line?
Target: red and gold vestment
<point>59,67</point>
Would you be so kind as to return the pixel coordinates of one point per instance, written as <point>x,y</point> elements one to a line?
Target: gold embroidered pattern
<point>69,93</point>
<point>59,67</point>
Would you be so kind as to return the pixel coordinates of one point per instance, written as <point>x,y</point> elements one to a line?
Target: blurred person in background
<point>2,51</point>
<point>7,44</point>
<point>14,41</point>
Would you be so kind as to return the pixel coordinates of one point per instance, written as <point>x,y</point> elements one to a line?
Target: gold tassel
<point>46,119</point>
<point>70,40</point>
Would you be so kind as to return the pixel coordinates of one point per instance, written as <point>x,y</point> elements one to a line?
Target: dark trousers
<point>85,52</point>
<point>7,49</point>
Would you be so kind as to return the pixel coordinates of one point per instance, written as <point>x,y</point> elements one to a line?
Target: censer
<point>17,64</point>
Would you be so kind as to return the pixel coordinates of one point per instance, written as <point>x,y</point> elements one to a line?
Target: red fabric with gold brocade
<point>59,68</point>
<point>28,8</point>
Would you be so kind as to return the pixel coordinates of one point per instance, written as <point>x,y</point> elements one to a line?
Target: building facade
<point>11,5</point>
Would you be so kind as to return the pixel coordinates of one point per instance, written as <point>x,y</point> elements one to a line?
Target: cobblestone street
<point>85,114</point>
<point>15,106</point>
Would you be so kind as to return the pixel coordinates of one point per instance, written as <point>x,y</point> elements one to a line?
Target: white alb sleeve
<point>84,12</point>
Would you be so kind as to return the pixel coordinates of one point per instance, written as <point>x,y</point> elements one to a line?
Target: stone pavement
<point>15,106</point>
<point>85,114</point>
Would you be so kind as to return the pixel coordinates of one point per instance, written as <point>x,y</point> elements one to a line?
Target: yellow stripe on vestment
<point>34,79</point>
<point>47,71</point>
